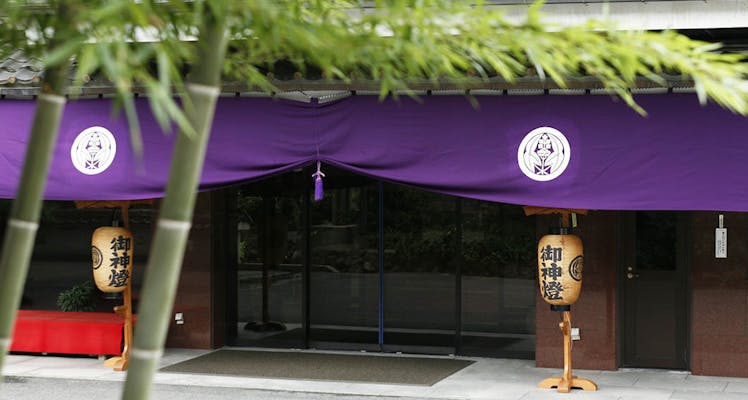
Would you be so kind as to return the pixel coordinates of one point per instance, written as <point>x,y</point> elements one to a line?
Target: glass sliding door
<point>420,243</point>
<point>344,270</point>
<point>498,280</point>
<point>270,265</point>
<point>381,267</point>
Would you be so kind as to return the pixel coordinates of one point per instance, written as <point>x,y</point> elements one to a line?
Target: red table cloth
<point>39,331</point>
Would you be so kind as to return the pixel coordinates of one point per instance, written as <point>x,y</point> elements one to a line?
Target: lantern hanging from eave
<point>112,253</point>
<point>560,264</point>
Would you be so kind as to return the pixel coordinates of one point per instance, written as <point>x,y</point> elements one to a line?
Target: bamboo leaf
<point>136,138</point>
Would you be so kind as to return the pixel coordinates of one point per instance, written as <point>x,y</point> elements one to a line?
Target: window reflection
<point>270,264</point>
<point>420,242</point>
<point>498,280</point>
<point>344,283</point>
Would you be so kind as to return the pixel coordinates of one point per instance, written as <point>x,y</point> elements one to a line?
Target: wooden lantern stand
<point>125,311</point>
<point>565,383</point>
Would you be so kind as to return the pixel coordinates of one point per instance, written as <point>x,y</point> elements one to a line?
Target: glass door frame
<point>381,345</point>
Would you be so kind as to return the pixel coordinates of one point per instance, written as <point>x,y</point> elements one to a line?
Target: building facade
<point>683,309</point>
<point>398,261</point>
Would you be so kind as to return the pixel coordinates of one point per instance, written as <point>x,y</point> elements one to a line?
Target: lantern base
<point>567,381</point>
<point>117,363</point>
<point>564,386</point>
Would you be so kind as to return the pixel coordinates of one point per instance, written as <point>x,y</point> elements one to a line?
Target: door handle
<point>632,275</point>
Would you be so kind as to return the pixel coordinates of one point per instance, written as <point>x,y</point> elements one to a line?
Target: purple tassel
<point>319,192</point>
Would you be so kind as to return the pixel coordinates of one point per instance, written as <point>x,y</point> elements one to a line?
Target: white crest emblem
<point>93,150</point>
<point>544,154</point>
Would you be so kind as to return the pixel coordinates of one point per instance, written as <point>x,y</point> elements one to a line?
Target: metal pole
<point>380,186</point>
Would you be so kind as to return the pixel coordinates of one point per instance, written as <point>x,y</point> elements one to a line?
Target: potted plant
<point>78,298</point>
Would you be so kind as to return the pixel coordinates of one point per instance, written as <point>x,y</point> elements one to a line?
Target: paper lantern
<point>112,251</point>
<point>560,264</point>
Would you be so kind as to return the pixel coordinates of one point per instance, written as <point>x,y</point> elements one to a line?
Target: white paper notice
<point>720,243</point>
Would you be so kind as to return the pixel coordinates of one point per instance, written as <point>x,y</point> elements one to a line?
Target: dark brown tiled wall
<point>595,311</point>
<point>193,296</point>
<point>719,321</point>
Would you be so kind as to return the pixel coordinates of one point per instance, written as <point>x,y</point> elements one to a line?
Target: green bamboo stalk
<point>175,217</point>
<point>20,232</point>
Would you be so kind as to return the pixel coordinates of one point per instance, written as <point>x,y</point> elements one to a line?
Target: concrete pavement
<point>39,377</point>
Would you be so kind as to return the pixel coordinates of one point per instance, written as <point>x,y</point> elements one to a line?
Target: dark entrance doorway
<point>375,266</point>
<point>655,326</point>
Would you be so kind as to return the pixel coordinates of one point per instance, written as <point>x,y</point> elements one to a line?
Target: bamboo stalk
<point>175,217</point>
<point>20,233</point>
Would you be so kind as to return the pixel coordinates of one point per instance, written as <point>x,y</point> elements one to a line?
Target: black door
<point>654,290</point>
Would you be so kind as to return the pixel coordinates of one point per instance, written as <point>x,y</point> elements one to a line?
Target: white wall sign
<point>720,239</point>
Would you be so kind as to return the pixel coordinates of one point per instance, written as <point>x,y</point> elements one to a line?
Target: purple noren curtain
<point>557,151</point>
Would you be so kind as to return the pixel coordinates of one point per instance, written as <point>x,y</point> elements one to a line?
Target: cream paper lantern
<point>560,264</point>
<point>112,254</point>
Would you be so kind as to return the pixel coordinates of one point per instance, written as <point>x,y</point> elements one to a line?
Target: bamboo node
<point>25,225</point>
<point>206,90</point>
<point>146,354</point>
<point>53,98</point>
<point>174,225</point>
